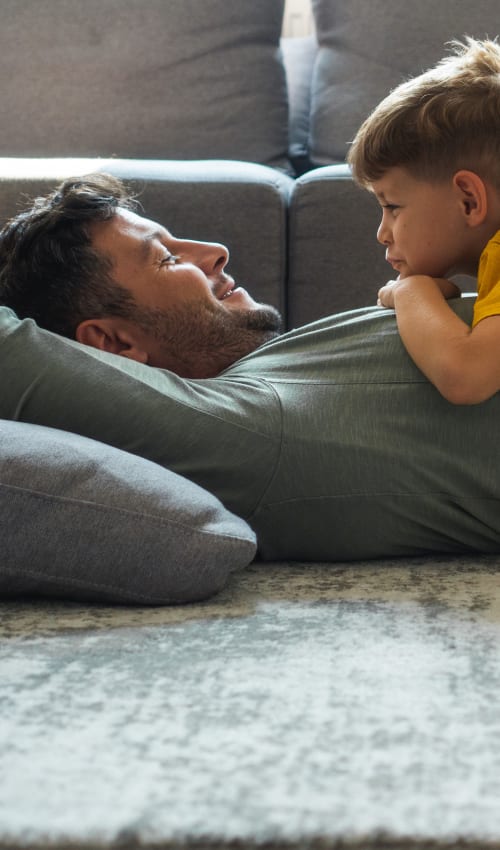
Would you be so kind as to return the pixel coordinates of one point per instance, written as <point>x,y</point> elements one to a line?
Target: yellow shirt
<point>488,281</point>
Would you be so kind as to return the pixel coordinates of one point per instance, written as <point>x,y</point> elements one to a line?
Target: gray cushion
<point>180,79</point>
<point>335,262</point>
<point>87,521</point>
<point>299,55</point>
<point>366,49</point>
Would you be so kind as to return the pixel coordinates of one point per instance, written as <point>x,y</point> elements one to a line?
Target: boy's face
<point>422,225</point>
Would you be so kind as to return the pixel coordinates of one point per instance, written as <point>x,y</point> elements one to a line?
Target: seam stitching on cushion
<point>97,506</point>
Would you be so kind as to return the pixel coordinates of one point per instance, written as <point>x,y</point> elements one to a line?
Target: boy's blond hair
<point>446,119</point>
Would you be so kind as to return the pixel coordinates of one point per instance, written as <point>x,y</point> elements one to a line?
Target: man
<point>327,439</point>
<point>83,264</point>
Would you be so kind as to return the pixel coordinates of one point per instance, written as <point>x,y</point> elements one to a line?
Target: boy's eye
<point>390,207</point>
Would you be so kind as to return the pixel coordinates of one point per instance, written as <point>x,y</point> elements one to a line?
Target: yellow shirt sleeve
<point>488,282</point>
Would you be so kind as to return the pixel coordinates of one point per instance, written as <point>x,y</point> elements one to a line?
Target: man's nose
<point>210,257</point>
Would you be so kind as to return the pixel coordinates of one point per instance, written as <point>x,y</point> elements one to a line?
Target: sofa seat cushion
<point>86,521</point>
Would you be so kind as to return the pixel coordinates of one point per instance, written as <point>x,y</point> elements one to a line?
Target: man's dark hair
<point>48,268</point>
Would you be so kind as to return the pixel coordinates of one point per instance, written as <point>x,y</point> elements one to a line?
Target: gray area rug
<point>310,706</point>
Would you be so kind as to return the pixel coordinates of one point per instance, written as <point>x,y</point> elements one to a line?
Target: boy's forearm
<point>433,334</point>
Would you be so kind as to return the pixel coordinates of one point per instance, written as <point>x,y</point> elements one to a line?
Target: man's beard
<point>201,343</point>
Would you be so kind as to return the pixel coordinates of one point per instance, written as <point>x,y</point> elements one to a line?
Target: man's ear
<point>112,335</point>
<point>473,196</point>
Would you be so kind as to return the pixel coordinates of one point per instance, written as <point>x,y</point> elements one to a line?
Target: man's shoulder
<point>314,341</point>
<point>356,346</point>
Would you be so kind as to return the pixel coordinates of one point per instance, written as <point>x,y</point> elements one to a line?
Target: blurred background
<point>298,18</point>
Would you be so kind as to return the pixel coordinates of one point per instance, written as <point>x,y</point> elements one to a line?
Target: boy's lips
<point>394,262</point>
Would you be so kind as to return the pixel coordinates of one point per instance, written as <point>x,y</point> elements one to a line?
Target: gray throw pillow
<point>366,49</point>
<point>183,79</point>
<point>85,521</point>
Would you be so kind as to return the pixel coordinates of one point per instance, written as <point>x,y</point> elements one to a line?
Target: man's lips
<point>225,289</point>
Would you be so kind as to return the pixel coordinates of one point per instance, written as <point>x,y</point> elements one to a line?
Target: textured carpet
<point>306,706</point>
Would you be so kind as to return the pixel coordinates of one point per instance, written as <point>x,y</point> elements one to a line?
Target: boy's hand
<point>386,294</point>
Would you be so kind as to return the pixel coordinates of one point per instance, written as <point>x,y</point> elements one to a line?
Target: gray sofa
<point>225,132</point>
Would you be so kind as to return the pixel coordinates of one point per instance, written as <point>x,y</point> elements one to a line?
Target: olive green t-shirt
<point>328,440</point>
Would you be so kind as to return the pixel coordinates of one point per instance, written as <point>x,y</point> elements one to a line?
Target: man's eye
<point>171,260</point>
<point>390,207</point>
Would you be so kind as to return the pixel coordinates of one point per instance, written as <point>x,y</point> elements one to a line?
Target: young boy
<point>430,152</point>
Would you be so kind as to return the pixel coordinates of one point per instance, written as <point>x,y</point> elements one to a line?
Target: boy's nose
<point>384,234</point>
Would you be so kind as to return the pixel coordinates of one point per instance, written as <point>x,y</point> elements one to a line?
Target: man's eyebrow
<point>147,248</point>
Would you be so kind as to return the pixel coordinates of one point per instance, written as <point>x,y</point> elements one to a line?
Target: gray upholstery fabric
<point>366,49</point>
<point>243,205</point>
<point>183,79</point>
<point>335,262</point>
<point>299,55</point>
<point>85,521</point>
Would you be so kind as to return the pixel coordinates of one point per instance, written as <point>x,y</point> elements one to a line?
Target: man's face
<point>422,225</point>
<point>189,316</point>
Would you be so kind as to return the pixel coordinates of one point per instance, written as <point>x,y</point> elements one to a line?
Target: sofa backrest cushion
<point>183,79</point>
<point>366,49</point>
<point>86,521</point>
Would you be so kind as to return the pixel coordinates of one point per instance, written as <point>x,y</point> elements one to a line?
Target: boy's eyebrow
<point>379,195</point>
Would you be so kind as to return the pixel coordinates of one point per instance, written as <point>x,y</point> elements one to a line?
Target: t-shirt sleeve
<point>488,300</point>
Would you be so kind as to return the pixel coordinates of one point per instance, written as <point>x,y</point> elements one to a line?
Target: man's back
<point>328,440</point>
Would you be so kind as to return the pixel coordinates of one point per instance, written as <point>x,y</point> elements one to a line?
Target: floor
<point>352,706</point>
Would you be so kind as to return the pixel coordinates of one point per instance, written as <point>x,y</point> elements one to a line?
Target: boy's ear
<point>473,196</point>
<point>112,335</point>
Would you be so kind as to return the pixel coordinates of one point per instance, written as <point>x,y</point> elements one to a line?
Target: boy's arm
<point>463,364</point>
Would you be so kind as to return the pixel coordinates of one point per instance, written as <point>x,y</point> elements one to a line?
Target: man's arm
<point>463,364</point>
